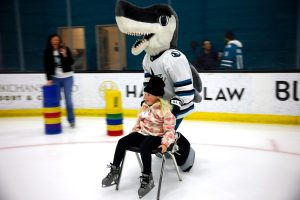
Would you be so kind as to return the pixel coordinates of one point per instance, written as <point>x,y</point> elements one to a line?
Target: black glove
<point>176,103</point>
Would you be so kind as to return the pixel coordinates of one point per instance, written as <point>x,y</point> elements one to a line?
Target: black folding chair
<point>173,148</point>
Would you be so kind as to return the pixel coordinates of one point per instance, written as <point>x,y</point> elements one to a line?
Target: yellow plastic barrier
<point>113,108</point>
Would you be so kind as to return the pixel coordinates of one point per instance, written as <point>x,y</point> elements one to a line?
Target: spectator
<point>58,68</point>
<point>232,57</point>
<point>208,59</point>
<point>78,59</point>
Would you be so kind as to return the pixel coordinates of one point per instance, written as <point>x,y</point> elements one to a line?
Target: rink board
<point>225,95</point>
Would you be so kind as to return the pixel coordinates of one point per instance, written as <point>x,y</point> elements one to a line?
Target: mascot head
<point>156,25</point>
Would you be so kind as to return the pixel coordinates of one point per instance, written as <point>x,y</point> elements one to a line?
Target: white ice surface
<point>233,162</point>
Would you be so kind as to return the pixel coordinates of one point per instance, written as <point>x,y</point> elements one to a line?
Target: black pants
<point>146,144</point>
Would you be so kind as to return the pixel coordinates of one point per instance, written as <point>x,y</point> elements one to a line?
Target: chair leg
<point>139,160</point>
<point>161,176</point>
<point>176,166</point>
<point>121,169</point>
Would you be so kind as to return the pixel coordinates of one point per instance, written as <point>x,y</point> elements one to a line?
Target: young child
<point>154,128</point>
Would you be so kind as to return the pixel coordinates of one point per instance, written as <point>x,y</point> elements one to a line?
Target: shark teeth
<point>139,46</point>
<point>142,43</point>
<point>138,34</point>
<point>138,43</point>
<point>146,36</point>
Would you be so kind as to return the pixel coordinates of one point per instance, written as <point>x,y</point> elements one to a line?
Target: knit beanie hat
<point>155,86</point>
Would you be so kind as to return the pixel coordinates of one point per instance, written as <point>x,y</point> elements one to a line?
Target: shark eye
<point>163,20</point>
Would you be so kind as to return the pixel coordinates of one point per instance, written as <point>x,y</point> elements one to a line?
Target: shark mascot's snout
<point>155,25</point>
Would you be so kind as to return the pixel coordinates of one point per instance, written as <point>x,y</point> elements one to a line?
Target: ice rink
<point>234,161</point>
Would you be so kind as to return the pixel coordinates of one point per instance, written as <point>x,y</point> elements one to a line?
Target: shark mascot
<point>157,27</point>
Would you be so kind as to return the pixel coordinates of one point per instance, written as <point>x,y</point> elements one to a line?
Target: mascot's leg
<point>186,154</point>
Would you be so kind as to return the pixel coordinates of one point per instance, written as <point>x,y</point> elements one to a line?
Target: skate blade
<point>141,196</point>
<point>104,186</point>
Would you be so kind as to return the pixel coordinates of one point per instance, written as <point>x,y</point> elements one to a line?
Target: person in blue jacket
<point>232,57</point>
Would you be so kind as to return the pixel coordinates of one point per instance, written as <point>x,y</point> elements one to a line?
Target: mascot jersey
<point>173,67</point>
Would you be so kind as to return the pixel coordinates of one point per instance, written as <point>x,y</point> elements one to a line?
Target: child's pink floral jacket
<point>151,121</point>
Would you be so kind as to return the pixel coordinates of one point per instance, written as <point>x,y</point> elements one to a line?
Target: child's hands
<point>163,148</point>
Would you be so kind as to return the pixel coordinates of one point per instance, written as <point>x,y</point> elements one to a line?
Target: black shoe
<point>72,125</point>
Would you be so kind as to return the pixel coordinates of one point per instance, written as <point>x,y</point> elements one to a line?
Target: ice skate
<point>112,177</point>
<point>147,184</point>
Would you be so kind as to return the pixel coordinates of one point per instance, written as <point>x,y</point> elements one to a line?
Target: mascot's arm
<point>180,73</point>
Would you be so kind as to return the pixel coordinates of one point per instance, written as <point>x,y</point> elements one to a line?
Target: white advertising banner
<point>249,93</point>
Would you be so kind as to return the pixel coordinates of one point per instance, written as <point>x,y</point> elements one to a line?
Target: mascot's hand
<point>176,103</point>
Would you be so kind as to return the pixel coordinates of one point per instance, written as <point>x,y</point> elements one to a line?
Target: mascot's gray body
<point>158,26</point>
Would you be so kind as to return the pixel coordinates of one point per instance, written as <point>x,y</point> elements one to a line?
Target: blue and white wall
<point>249,97</point>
